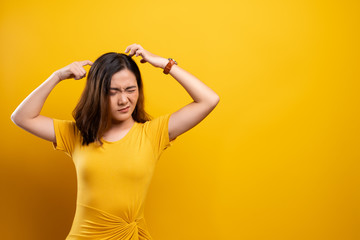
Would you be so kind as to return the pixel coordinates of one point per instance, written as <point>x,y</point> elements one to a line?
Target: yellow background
<point>278,158</point>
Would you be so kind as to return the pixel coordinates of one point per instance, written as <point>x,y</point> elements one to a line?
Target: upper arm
<point>39,126</point>
<point>188,117</point>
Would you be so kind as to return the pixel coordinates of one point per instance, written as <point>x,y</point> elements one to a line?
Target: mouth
<point>124,109</point>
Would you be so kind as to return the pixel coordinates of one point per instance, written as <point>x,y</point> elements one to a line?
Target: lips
<point>123,108</point>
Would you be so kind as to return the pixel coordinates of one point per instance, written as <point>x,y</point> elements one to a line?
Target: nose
<point>122,99</point>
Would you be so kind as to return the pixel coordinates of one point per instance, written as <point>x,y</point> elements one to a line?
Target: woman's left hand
<point>155,60</point>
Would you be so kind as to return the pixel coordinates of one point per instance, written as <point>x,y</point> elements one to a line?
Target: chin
<point>122,116</point>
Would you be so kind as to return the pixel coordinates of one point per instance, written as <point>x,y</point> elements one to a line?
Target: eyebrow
<point>125,89</point>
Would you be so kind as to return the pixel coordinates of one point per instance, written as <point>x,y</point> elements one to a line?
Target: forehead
<point>123,79</point>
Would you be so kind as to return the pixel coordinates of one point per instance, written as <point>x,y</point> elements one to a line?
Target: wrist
<point>56,76</point>
<point>164,63</point>
<point>169,65</point>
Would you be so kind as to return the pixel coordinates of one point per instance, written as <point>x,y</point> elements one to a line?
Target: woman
<point>113,142</point>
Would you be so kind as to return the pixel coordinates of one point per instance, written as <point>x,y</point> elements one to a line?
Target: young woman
<point>113,142</point>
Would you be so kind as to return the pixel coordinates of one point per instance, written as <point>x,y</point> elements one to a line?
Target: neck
<point>120,125</point>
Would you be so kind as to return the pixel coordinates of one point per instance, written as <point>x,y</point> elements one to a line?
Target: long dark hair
<point>92,113</point>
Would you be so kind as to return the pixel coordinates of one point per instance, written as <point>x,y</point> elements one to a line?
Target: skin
<point>126,94</point>
<point>204,98</point>
<point>27,114</point>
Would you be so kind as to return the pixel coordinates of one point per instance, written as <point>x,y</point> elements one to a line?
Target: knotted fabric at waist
<point>93,223</point>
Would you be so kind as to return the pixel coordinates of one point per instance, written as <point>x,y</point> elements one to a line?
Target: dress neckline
<point>123,138</point>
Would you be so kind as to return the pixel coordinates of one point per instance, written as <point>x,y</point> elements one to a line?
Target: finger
<point>77,76</point>
<point>77,73</point>
<point>129,47</point>
<point>86,62</point>
<point>138,52</point>
<point>82,71</point>
<point>81,76</point>
<point>79,67</point>
<point>134,49</point>
<point>131,51</point>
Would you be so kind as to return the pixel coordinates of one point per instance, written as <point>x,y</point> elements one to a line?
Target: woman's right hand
<point>74,70</point>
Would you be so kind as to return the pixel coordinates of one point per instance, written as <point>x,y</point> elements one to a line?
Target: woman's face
<point>124,93</point>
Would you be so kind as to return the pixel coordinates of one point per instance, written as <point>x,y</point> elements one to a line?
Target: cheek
<point>135,97</point>
<point>113,102</point>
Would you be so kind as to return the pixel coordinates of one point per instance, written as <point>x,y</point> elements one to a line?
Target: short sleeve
<point>65,132</point>
<point>157,130</point>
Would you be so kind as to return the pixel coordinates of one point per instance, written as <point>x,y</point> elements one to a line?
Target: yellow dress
<point>113,180</point>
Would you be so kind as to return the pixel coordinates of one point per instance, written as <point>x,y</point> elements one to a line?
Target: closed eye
<point>113,93</point>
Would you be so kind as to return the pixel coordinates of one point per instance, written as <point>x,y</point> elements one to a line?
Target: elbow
<point>211,101</point>
<point>215,100</point>
<point>16,121</point>
<point>13,118</point>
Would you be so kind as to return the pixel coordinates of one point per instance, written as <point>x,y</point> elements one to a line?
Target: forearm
<point>31,106</point>
<point>198,91</point>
